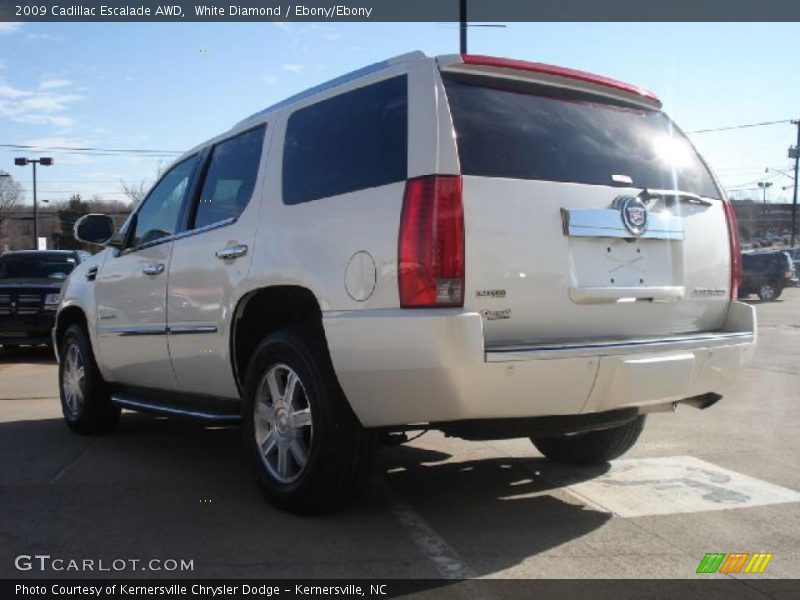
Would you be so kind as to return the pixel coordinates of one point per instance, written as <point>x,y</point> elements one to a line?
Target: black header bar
<point>479,11</point>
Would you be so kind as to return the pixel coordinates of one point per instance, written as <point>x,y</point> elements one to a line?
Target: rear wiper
<point>676,194</point>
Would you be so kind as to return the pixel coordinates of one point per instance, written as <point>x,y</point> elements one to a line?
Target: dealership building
<point>759,221</point>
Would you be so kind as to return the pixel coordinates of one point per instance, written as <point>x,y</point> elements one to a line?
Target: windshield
<point>515,130</point>
<point>36,267</point>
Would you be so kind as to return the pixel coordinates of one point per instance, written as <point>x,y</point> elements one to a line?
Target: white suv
<point>487,247</point>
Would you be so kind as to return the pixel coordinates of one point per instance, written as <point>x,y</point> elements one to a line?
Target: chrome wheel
<point>766,292</point>
<point>73,381</point>
<point>283,425</point>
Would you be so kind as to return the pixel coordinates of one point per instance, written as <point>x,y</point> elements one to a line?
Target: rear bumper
<point>399,367</point>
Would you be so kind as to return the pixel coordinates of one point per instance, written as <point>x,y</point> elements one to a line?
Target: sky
<point>170,86</point>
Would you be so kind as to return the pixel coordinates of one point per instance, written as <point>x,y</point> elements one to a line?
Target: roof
<point>444,60</point>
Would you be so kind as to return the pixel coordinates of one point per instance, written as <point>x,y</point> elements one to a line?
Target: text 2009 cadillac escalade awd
<point>487,247</point>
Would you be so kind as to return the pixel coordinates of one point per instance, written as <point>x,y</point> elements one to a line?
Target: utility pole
<point>796,152</point>
<point>462,14</point>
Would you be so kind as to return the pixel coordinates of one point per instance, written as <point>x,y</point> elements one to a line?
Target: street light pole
<point>35,215</point>
<point>45,161</point>
<point>794,198</point>
<point>764,185</point>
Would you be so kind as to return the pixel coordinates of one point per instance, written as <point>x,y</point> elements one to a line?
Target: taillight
<point>735,248</point>
<point>431,243</point>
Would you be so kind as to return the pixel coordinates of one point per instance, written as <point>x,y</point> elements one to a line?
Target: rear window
<point>519,131</point>
<point>352,141</point>
<point>767,260</point>
<point>230,179</point>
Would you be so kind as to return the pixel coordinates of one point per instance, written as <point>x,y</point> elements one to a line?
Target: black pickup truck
<point>30,289</point>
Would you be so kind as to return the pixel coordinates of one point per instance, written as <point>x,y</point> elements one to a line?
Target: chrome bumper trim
<point>616,347</point>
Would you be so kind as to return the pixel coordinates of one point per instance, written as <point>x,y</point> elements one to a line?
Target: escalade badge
<point>634,214</point>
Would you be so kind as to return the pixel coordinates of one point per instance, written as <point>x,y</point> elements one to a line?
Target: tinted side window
<point>158,216</point>
<point>509,129</point>
<point>353,141</point>
<point>230,178</point>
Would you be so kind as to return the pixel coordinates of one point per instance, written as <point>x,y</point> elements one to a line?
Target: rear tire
<point>85,401</point>
<point>767,291</point>
<point>593,447</point>
<point>308,452</point>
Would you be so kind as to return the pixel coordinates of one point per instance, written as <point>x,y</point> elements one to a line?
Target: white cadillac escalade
<point>487,247</point>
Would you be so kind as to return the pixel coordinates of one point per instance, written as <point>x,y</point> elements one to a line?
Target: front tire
<point>593,447</point>
<point>85,401</point>
<point>309,453</point>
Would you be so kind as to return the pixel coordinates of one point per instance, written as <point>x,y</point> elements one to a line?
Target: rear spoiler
<point>493,66</point>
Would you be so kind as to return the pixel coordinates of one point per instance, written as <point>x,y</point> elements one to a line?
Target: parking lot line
<point>447,561</point>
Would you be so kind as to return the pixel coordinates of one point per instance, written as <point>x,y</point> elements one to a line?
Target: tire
<point>593,447</point>
<point>767,291</point>
<point>85,401</point>
<point>316,456</point>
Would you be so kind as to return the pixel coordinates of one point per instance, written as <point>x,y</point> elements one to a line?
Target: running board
<point>205,416</point>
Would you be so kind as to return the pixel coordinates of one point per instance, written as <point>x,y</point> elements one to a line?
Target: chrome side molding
<point>188,329</point>
<point>157,330</point>
<point>132,331</point>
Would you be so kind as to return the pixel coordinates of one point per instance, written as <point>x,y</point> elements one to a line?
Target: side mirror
<point>94,229</point>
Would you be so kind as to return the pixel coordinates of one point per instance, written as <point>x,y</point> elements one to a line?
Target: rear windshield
<point>515,130</point>
<point>36,267</point>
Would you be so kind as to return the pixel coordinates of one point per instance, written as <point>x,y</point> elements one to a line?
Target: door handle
<point>153,269</point>
<point>232,252</point>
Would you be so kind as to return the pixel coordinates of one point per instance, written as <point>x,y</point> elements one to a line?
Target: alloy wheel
<point>283,423</point>
<point>73,382</point>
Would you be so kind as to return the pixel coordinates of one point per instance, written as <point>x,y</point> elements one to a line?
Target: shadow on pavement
<point>166,489</point>
<point>40,355</point>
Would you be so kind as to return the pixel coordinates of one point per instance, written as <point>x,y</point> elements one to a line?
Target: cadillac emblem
<point>634,214</point>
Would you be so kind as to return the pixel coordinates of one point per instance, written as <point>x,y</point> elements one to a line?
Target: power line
<point>767,177</point>
<point>75,190</point>
<point>741,126</point>
<point>89,149</point>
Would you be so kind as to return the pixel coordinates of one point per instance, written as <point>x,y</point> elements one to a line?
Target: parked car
<point>766,273</point>
<point>487,247</point>
<point>30,288</point>
<point>794,254</point>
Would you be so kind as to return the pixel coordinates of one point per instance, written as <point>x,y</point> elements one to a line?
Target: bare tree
<point>11,195</point>
<point>135,192</point>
